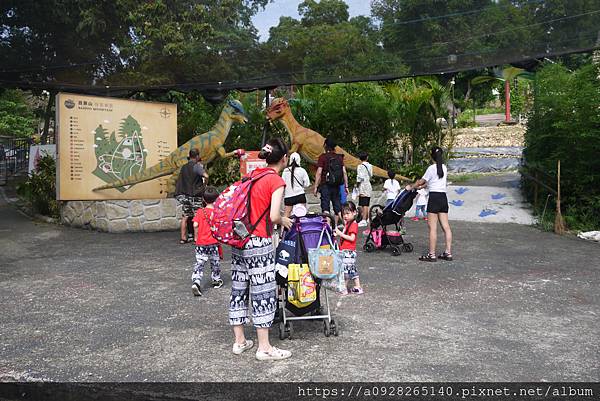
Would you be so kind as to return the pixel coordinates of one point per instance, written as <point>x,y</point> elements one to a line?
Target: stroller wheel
<point>290,329</point>
<point>281,331</point>
<point>407,247</point>
<point>334,329</point>
<point>326,328</point>
<point>396,251</point>
<point>369,247</point>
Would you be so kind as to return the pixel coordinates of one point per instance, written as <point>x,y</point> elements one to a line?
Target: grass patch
<point>465,177</point>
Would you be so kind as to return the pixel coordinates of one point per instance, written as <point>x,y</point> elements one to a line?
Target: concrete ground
<point>517,304</point>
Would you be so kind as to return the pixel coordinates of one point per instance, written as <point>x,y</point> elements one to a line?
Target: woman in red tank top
<point>253,287</point>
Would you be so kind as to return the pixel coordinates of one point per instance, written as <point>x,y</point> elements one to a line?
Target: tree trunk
<point>47,116</point>
<point>507,101</point>
<point>468,94</point>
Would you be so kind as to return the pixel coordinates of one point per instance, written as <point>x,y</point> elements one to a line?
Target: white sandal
<point>239,348</point>
<point>274,355</point>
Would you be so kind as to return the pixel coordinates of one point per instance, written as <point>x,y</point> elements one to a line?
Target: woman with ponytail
<point>253,287</point>
<point>437,206</point>
<point>296,179</point>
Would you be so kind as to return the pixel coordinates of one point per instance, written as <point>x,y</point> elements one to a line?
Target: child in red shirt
<point>348,239</point>
<point>207,248</point>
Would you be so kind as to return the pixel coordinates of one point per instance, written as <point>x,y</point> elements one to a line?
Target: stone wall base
<point>117,216</point>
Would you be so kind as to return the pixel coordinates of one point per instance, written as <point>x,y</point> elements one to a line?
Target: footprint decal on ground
<point>498,196</point>
<point>487,212</point>
<point>457,202</point>
<point>461,190</point>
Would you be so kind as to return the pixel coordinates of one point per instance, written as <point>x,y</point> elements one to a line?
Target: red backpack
<point>230,223</point>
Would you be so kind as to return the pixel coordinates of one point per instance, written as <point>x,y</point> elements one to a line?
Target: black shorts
<point>364,201</point>
<point>438,202</point>
<point>294,200</point>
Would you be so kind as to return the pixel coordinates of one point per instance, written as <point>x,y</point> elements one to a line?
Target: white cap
<point>295,157</point>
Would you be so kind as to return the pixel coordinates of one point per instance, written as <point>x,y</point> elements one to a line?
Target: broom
<point>559,222</point>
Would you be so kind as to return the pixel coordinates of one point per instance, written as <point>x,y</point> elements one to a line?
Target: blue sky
<point>289,8</point>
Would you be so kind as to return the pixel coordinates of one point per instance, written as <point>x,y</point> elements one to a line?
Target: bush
<point>466,120</point>
<point>40,188</point>
<point>565,125</point>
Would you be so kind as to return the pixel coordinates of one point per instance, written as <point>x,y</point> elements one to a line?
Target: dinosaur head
<point>277,109</point>
<point>235,111</point>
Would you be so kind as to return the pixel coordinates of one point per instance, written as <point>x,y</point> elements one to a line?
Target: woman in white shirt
<point>364,172</point>
<point>437,206</point>
<point>296,179</point>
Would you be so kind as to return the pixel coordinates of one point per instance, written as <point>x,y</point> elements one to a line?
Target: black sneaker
<point>196,290</point>
<point>217,283</point>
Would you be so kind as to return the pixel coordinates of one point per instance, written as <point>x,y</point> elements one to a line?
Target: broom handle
<point>558,189</point>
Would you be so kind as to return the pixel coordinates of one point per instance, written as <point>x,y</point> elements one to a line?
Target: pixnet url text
<point>388,392</point>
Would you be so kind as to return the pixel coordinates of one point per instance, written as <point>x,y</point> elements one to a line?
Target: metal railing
<point>14,156</point>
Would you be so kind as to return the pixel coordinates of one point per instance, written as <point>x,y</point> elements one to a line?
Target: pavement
<point>491,198</point>
<point>516,304</point>
<point>489,120</point>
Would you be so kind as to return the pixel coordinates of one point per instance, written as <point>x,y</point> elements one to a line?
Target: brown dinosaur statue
<point>210,145</point>
<point>310,143</point>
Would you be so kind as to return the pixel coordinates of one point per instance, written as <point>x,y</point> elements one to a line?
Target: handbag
<point>325,263</point>
<point>302,289</point>
<point>337,284</point>
<point>284,255</point>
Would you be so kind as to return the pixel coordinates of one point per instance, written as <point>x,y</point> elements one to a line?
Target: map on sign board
<point>121,155</point>
<point>101,140</point>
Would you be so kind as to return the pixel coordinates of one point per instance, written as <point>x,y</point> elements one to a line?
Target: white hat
<point>295,157</point>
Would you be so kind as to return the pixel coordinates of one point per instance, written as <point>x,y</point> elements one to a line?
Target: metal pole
<point>265,127</point>
<point>507,101</point>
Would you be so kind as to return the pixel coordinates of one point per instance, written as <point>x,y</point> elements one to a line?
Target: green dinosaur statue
<point>210,145</point>
<point>309,143</point>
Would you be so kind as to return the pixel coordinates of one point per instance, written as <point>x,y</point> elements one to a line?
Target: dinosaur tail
<point>379,172</point>
<point>353,162</point>
<point>158,170</point>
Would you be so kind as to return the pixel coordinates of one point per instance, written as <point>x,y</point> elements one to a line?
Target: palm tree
<point>416,104</point>
<point>506,75</point>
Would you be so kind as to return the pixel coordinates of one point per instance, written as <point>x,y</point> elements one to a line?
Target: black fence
<point>14,156</point>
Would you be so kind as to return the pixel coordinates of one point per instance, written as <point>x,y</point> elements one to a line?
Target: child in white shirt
<point>391,187</point>
<point>421,204</point>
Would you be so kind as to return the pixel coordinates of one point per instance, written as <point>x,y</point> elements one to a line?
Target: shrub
<point>565,125</point>
<point>40,188</point>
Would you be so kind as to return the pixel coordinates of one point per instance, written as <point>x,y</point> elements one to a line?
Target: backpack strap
<point>205,216</point>
<point>346,228</point>
<point>254,180</point>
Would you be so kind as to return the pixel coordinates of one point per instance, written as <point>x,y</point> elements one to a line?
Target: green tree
<point>415,105</point>
<point>324,12</point>
<point>126,42</point>
<point>324,46</point>
<point>16,117</point>
<point>438,35</point>
<point>506,76</point>
<point>565,125</point>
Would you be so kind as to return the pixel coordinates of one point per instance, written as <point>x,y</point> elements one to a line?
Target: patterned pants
<point>253,281</point>
<point>189,204</point>
<point>349,263</point>
<point>204,253</point>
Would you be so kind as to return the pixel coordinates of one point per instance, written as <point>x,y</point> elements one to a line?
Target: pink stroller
<point>379,236</point>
